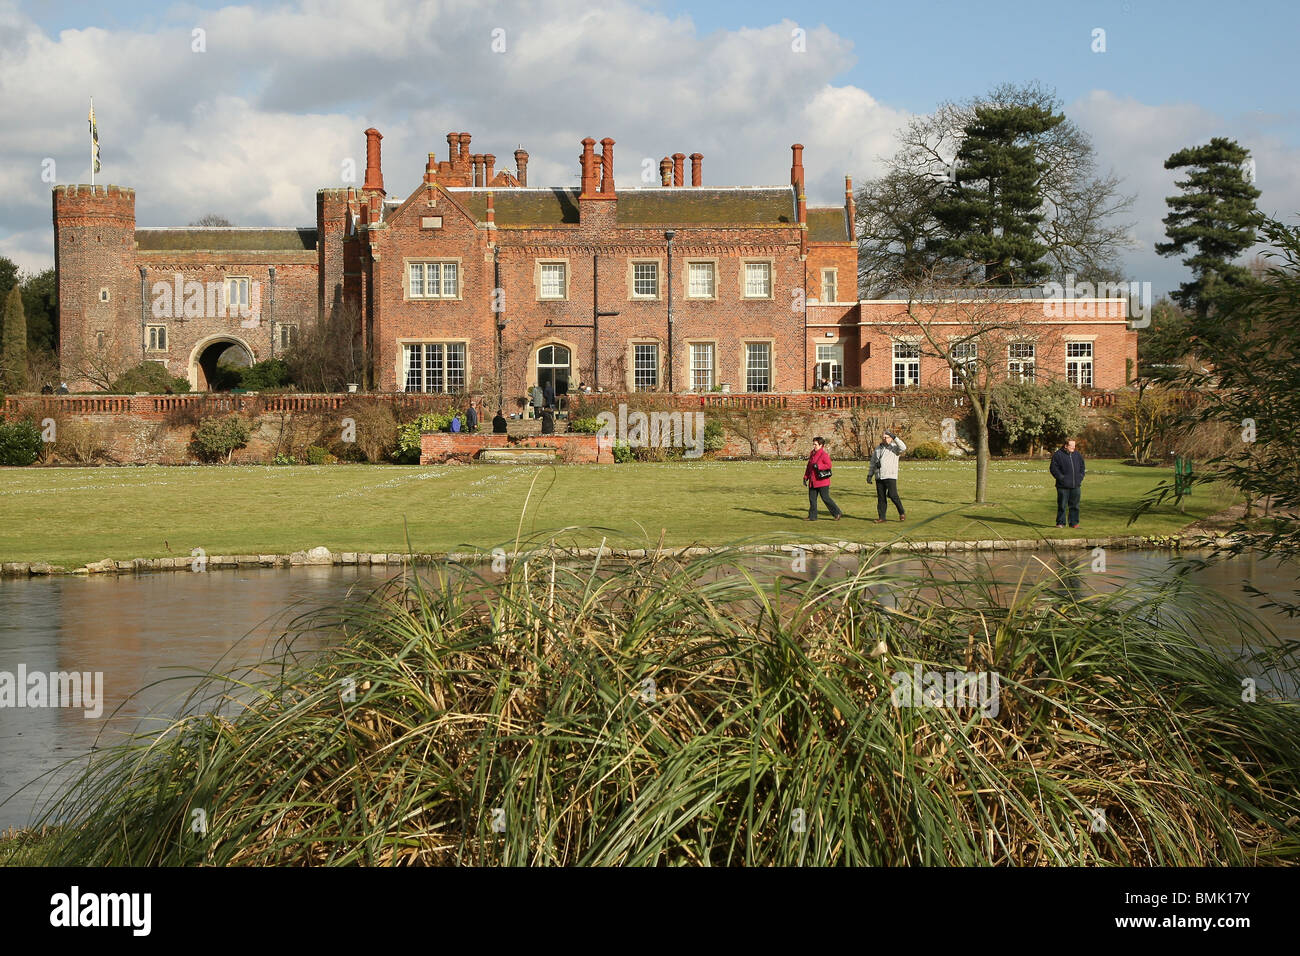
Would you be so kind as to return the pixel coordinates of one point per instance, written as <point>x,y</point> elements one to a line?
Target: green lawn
<point>70,516</point>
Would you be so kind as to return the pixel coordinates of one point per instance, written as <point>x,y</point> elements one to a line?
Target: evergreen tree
<point>41,306</point>
<point>13,343</point>
<point>1216,217</point>
<point>992,209</point>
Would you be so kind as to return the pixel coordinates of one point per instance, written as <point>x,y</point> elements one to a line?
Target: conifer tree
<point>13,343</point>
<point>1215,218</point>
<point>992,209</point>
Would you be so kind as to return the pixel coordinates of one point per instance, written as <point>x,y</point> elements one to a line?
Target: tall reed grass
<point>704,711</point>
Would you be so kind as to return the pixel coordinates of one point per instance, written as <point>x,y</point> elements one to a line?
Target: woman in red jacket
<point>817,476</point>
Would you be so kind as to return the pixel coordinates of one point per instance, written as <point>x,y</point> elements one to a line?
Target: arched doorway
<point>215,363</point>
<point>554,365</point>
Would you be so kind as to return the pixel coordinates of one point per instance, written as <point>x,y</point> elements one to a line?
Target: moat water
<point>153,636</point>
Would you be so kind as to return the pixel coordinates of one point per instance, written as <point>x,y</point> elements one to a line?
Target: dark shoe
<point>902,517</point>
<point>839,516</point>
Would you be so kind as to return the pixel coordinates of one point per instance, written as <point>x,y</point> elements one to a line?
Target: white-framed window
<point>157,337</point>
<point>963,356</point>
<point>645,280</point>
<point>758,366</point>
<point>553,280</point>
<point>758,280</point>
<point>237,292</point>
<point>830,285</point>
<point>830,365</point>
<point>907,365</point>
<point>702,364</point>
<point>433,280</point>
<point>433,366</point>
<point>1020,361</point>
<point>645,366</point>
<point>702,280</point>
<point>1078,364</point>
<point>288,336</point>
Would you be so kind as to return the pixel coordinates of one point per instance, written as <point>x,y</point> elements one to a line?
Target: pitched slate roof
<point>692,205</point>
<point>521,207</point>
<point>234,239</point>
<point>827,224</point>
<point>664,205</point>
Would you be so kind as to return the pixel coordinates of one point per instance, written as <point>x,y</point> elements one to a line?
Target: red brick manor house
<point>476,277</point>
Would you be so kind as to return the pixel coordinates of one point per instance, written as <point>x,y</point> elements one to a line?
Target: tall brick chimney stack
<point>374,174</point>
<point>588,160</point>
<point>796,180</point>
<point>679,169</point>
<point>477,161</point>
<point>491,212</point>
<point>430,169</point>
<point>697,169</point>
<point>453,144</point>
<point>489,165</point>
<point>665,171</point>
<point>851,207</point>
<point>464,147</point>
<point>607,167</point>
<point>521,166</point>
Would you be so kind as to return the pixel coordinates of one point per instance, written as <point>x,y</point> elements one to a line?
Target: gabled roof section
<point>827,224</point>
<point>228,239</point>
<point>700,205</point>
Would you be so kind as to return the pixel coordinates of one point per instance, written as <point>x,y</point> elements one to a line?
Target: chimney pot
<point>697,169</point>
<point>464,147</point>
<point>665,171</point>
<point>477,161</point>
<point>607,167</point>
<point>374,172</point>
<point>588,161</point>
<point>489,163</point>
<point>521,166</point>
<point>679,169</point>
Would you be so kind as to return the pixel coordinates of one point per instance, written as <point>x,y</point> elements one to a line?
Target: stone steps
<point>518,456</point>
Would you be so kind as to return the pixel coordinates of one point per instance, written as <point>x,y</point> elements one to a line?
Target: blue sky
<point>1234,59</point>
<point>277,103</point>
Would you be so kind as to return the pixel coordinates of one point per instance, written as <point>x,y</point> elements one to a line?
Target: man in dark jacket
<point>471,418</point>
<point>1067,468</point>
<point>548,395</point>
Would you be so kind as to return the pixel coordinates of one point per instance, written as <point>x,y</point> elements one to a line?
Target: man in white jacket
<point>884,466</point>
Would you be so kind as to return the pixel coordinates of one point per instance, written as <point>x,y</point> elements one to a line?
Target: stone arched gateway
<point>208,351</point>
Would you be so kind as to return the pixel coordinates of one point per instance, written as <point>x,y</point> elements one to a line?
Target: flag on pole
<point>94,141</point>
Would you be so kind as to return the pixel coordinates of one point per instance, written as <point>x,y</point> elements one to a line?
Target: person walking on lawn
<point>817,476</point>
<point>1067,468</point>
<point>884,469</point>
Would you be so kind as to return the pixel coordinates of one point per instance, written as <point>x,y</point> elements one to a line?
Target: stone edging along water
<point>321,556</point>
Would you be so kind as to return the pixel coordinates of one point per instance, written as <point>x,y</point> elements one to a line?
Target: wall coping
<point>321,556</point>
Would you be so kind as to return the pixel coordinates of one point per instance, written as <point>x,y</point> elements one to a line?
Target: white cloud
<point>254,125</point>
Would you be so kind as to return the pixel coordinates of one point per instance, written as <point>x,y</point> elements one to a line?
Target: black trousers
<point>826,497</point>
<point>1067,499</point>
<point>887,488</point>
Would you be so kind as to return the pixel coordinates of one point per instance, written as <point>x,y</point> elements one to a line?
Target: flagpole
<point>92,144</point>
